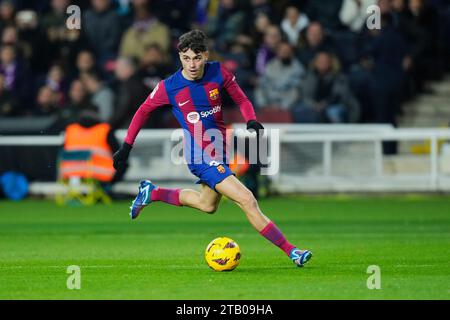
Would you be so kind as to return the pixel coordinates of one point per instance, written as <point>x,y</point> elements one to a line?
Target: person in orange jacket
<point>90,134</point>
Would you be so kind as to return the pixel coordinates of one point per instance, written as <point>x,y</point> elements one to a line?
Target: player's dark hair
<point>194,40</point>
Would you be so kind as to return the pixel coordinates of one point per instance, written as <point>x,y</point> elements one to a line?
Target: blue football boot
<point>142,199</point>
<point>300,257</point>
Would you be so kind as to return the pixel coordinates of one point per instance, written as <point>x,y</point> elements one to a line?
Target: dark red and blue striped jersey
<point>197,105</point>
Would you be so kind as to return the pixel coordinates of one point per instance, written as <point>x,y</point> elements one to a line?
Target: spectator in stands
<point>314,42</point>
<point>415,40</point>
<point>16,75</point>
<point>78,101</point>
<point>353,13</point>
<point>388,51</point>
<point>47,101</point>
<point>32,42</point>
<point>326,12</point>
<point>257,9</point>
<point>293,23</point>
<point>101,95</point>
<point>85,62</point>
<point>237,61</point>
<point>258,29</point>
<point>146,30</point>
<point>227,25</point>
<point>8,104</point>
<point>59,40</point>
<point>153,66</point>
<point>153,69</point>
<point>9,36</point>
<point>362,84</point>
<point>7,14</point>
<point>279,86</point>
<point>56,81</point>
<point>267,51</point>
<point>54,22</point>
<point>130,91</point>
<point>73,43</point>
<point>102,28</point>
<point>252,37</point>
<point>425,60</point>
<point>8,66</point>
<point>326,94</point>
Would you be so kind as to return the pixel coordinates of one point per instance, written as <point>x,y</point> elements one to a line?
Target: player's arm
<point>156,99</point>
<point>240,99</point>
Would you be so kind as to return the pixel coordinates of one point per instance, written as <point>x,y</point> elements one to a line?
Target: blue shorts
<point>211,174</point>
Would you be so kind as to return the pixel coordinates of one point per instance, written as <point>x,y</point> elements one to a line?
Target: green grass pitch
<point>160,255</point>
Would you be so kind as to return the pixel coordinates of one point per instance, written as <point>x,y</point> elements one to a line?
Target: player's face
<point>193,63</point>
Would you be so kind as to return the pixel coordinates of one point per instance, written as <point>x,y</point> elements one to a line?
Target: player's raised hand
<point>121,157</point>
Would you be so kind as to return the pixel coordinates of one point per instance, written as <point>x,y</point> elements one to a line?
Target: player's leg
<point>232,188</point>
<point>207,200</point>
<point>148,193</point>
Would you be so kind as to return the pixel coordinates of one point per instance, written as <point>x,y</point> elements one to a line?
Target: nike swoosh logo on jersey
<point>180,104</point>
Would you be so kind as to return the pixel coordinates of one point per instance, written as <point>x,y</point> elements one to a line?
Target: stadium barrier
<point>312,158</point>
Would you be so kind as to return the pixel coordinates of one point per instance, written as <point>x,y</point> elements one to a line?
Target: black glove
<point>121,157</point>
<point>254,125</point>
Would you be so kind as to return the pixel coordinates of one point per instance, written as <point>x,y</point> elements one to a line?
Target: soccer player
<point>193,94</point>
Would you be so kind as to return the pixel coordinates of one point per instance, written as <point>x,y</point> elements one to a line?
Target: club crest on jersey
<point>214,94</point>
<point>193,117</point>
<point>220,168</point>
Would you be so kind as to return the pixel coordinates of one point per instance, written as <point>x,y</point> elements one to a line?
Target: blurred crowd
<point>315,61</point>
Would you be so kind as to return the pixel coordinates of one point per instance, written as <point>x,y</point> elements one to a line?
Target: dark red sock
<point>274,235</point>
<point>171,196</point>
